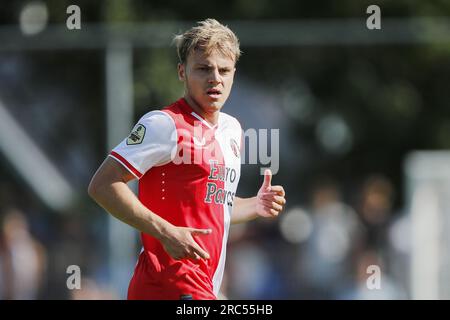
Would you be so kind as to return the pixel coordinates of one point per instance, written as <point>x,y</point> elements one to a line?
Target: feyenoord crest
<point>235,147</point>
<point>137,135</point>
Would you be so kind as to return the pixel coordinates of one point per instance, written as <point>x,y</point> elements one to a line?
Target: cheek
<point>229,83</point>
<point>196,80</point>
<point>191,81</point>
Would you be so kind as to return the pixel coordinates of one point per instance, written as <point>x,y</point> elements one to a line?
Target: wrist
<point>161,229</point>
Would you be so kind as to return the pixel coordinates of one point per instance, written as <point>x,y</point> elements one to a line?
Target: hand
<point>180,244</point>
<point>270,199</point>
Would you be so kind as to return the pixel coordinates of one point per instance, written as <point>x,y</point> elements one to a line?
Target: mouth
<point>214,93</point>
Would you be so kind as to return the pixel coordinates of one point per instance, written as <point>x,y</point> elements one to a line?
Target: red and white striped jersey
<point>188,174</point>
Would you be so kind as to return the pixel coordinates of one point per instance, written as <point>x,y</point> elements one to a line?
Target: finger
<point>270,213</point>
<point>193,255</point>
<point>272,194</point>
<point>202,253</point>
<point>267,179</point>
<point>280,200</point>
<point>199,232</point>
<point>274,212</point>
<point>278,189</point>
<point>271,197</point>
<point>272,205</point>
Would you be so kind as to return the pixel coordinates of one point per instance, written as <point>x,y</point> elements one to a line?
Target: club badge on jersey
<point>136,135</point>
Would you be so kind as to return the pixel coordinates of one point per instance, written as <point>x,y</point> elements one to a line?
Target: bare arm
<point>244,209</point>
<point>109,189</point>
<point>268,203</point>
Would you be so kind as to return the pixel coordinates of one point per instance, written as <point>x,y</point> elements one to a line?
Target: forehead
<point>213,58</point>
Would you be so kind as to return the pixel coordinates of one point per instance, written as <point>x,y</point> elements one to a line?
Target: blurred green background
<point>351,104</point>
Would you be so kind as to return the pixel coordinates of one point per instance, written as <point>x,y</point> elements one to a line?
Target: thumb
<point>267,179</point>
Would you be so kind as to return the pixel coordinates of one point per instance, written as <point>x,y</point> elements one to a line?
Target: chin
<point>217,107</point>
<point>213,106</point>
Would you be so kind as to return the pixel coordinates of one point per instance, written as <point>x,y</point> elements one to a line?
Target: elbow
<point>93,189</point>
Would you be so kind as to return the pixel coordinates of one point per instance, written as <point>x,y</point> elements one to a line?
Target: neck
<point>211,118</point>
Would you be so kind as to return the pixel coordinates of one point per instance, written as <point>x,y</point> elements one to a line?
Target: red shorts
<point>175,282</point>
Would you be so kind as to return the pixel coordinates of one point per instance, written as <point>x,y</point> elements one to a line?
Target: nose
<point>215,76</point>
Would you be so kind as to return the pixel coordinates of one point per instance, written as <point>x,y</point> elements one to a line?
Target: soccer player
<point>187,159</point>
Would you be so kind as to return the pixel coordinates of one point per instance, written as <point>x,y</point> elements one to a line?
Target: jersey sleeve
<point>152,142</point>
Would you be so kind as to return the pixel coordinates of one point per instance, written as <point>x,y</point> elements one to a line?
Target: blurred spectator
<point>326,259</point>
<point>251,273</point>
<point>388,288</point>
<point>5,266</point>
<point>375,209</point>
<point>23,258</point>
<point>91,290</point>
<point>72,247</point>
<point>399,253</point>
<point>382,244</point>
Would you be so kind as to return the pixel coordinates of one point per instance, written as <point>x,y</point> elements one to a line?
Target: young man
<point>186,158</point>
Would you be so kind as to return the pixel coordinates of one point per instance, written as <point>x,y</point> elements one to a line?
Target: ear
<point>181,71</point>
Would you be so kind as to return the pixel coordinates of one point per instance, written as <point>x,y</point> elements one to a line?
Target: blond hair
<point>208,36</point>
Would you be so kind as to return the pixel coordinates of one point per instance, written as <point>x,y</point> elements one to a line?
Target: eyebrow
<point>209,66</point>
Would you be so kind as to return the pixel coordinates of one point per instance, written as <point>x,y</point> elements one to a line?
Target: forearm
<point>244,209</point>
<point>118,199</point>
